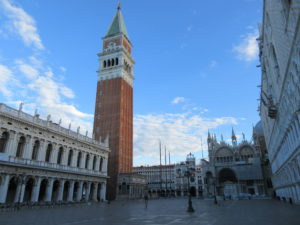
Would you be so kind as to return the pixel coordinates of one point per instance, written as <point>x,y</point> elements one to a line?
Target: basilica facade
<point>41,161</point>
<point>279,44</point>
<point>233,170</point>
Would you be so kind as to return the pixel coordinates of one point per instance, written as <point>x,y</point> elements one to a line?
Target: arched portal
<point>55,190</point>
<point>12,190</point>
<point>43,188</point>
<point>227,183</point>
<point>28,189</point>
<point>66,191</point>
<point>227,174</point>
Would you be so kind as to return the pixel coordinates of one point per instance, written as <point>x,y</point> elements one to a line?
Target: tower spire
<point>233,137</point>
<point>118,25</point>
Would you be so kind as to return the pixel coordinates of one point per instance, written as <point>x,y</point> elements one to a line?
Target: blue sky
<point>195,66</point>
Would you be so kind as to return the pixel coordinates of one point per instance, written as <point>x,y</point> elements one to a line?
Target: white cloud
<point>181,133</point>
<point>29,71</point>
<point>22,24</point>
<point>247,49</point>
<point>67,92</point>
<point>6,77</point>
<point>178,100</point>
<point>44,88</point>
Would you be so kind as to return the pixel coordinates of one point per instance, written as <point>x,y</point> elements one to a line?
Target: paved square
<point>161,212</point>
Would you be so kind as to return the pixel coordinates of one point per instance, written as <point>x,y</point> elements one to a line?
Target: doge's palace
<point>41,161</point>
<point>279,43</point>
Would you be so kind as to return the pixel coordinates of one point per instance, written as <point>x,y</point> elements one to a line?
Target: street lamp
<point>188,174</point>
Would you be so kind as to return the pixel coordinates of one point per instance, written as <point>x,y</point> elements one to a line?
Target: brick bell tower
<point>114,100</point>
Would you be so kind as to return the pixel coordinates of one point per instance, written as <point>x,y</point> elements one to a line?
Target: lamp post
<point>190,204</point>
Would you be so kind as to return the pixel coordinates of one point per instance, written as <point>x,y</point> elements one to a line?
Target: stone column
<point>71,191</point>
<point>61,190</point>
<point>95,192</point>
<point>36,190</point>
<point>20,190</point>
<point>97,163</point>
<point>54,153</point>
<point>82,163</point>
<point>49,190</point>
<point>28,148</point>
<point>102,191</point>
<point>65,156</point>
<point>75,157</point>
<point>12,143</point>
<point>104,166</point>
<point>4,188</point>
<point>79,192</point>
<point>42,151</point>
<point>88,191</point>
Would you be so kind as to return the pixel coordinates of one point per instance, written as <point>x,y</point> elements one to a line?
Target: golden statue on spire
<point>119,5</point>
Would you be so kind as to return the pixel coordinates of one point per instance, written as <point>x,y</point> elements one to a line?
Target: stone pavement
<point>161,212</point>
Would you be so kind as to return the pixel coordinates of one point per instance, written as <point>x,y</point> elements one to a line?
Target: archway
<point>76,187</point>
<point>3,141</point>
<point>98,192</point>
<point>12,190</point>
<point>70,157</point>
<point>35,149</point>
<point>227,174</point>
<point>21,145</point>
<point>48,153</point>
<point>28,189</point>
<point>193,191</point>
<point>66,191</point>
<point>227,181</point>
<point>43,189</point>
<point>55,190</point>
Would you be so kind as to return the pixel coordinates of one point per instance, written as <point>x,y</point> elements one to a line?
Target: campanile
<point>114,100</point>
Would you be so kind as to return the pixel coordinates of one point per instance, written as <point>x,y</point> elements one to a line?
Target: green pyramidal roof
<point>117,26</point>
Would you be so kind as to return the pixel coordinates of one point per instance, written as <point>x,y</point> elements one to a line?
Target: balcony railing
<point>54,166</point>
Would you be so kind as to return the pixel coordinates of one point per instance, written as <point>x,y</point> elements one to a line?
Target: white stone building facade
<point>279,44</point>
<point>40,161</point>
<point>160,179</point>
<point>172,180</point>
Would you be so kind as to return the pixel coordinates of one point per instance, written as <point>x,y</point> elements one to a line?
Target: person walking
<point>146,200</point>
